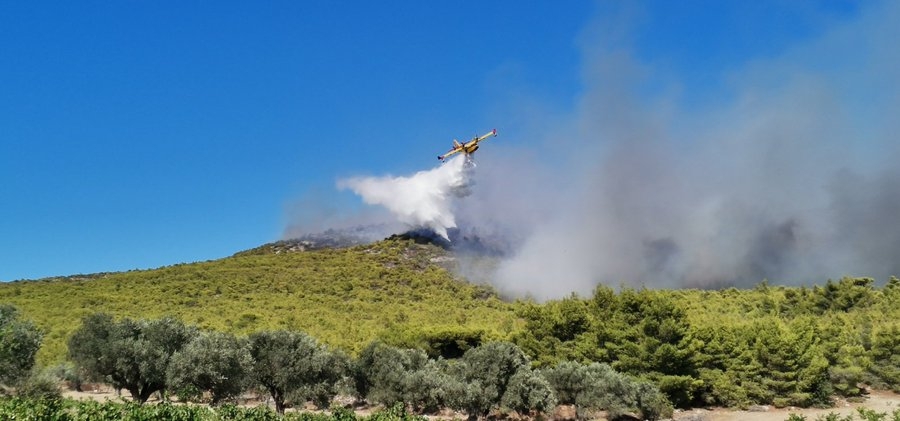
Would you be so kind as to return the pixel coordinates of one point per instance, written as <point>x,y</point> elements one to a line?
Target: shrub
<point>598,387</point>
<point>451,343</point>
<point>39,386</point>
<point>528,391</point>
<point>886,356</point>
<point>833,416</point>
<point>651,402</point>
<point>866,414</point>
<point>68,373</point>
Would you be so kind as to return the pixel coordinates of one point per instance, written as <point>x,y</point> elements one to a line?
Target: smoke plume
<point>423,200</point>
<point>787,173</point>
<point>786,176</point>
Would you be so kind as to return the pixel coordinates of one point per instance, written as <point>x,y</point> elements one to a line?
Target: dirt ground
<point>879,401</point>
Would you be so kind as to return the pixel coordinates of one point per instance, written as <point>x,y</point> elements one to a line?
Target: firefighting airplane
<point>467,148</point>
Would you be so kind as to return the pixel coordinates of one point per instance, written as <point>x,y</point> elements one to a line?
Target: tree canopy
<point>19,343</point>
<point>131,355</point>
<point>292,364</point>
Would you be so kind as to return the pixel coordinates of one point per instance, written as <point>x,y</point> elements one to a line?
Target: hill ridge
<point>346,297</point>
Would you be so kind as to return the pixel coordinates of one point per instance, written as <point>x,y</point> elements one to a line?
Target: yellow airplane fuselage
<point>467,148</point>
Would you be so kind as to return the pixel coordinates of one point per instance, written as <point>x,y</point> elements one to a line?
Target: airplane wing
<point>487,135</point>
<point>449,153</point>
<point>482,137</point>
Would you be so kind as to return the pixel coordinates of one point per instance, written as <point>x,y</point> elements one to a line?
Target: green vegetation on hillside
<point>785,346</point>
<point>343,297</point>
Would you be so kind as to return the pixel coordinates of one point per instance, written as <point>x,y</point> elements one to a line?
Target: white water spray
<point>421,200</point>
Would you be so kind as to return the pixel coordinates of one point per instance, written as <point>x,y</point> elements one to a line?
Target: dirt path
<point>95,392</point>
<point>878,401</point>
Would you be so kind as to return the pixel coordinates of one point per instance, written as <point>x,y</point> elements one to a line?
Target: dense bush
<point>771,345</point>
<point>39,385</point>
<point>597,387</point>
<point>444,342</point>
<point>886,356</point>
<point>69,374</point>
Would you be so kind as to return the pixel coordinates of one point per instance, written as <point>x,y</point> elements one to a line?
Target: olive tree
<point>19,343</point>
<point>528,392</point>
<point>212,362</point>
<point>130,354</point>
<point>389,375</point>
<point>483,376</point>
<point>599,387</point>
<point>292,365</point>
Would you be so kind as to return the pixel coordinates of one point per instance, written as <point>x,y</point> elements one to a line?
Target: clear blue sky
<point>146,133</point>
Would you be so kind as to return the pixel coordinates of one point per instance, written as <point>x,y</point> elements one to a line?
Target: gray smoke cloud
<point>789,178</point>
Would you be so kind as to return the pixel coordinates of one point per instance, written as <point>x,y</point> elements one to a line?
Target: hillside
<point>772,345</point>
<point>345,297</point>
